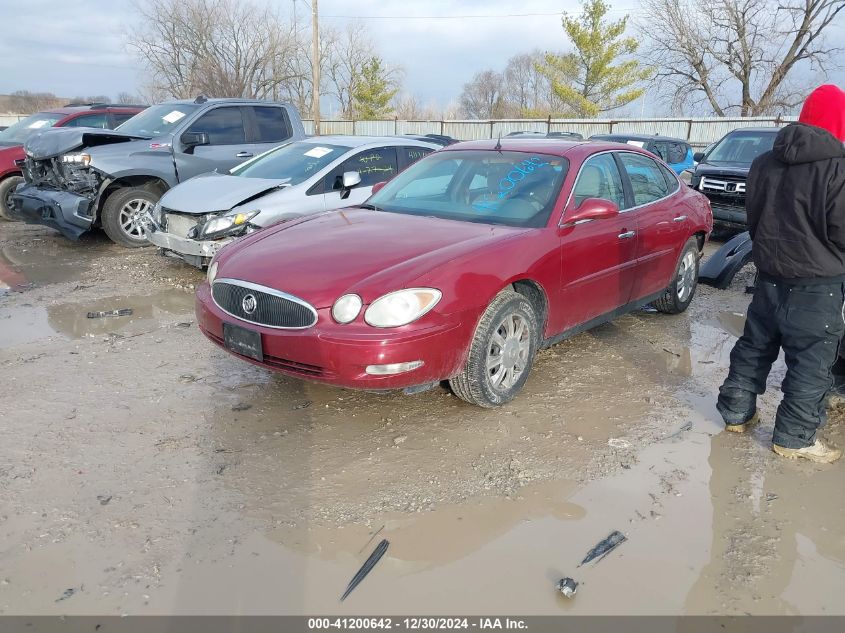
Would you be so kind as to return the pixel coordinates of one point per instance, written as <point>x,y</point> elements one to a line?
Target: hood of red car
<point>352,250</point>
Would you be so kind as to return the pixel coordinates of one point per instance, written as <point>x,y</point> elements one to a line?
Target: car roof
<point>637,137</point>
<point>769,128</point>
<point>556,146</point>
<point>360,141</point>
<point>212,101</point>
<point>68,110</point>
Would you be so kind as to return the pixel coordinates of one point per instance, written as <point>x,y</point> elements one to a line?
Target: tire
<point>498,384</point>
<point>7,187</point>
<point>122,215</point>
<point>680,292</point>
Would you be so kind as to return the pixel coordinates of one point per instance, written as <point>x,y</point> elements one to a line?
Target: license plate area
<point>243,341</point>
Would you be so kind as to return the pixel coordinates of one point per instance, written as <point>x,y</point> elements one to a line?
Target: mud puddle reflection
<point>47,262</point>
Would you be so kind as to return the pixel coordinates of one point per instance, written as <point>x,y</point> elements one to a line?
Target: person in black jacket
<point>795,203</point>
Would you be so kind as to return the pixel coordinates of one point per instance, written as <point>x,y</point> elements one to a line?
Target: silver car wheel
<point>132,218</point>
<point>686,277</point>
<point>508,352</point>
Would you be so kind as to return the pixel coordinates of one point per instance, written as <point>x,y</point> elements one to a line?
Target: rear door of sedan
<point>598,256</point>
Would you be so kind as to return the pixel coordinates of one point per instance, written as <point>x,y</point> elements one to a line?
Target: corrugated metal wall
<point>699,132</point>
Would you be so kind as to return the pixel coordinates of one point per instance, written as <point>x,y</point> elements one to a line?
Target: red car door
<point>662,227</point>
<point>598,257</point>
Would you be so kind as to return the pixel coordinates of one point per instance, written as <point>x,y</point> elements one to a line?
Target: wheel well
<point>532,291</point>
<point>700,239</point>
<point>150,182</point>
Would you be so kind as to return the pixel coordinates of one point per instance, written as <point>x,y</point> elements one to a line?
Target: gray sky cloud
<point>78,48</point>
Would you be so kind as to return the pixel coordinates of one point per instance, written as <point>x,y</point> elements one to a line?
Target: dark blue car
<point>675,152</point>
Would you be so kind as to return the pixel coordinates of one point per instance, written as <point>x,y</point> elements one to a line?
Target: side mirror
<point>698,157</point>
<point>194,139</point>
<point>379,186</point>
<point>350,179</point>
<point>592,209</point>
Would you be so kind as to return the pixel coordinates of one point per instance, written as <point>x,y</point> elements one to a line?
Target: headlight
<point>81,159</point>
<point>686,177</point>
<point>346,308</point>
<point>401,307</point>
<point>216,227</point>
<point>212,272</point>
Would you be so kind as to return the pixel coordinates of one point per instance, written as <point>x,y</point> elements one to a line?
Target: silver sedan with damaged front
<point>198,217</point>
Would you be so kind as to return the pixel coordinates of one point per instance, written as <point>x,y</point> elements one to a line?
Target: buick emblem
<point>249,304</point>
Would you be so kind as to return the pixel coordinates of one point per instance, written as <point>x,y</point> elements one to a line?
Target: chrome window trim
<point>270,291</point>
<point>621,211</point>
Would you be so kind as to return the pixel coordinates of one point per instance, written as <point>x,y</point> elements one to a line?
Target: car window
<point>292,163</point>
<point>741,147</point>
<point>23,129</point>
<point>677,153</point>
<point>647,181</point>
<point>671,179</point>
<point>121,117</point>
<point>158,120</point>
<point>224,126</point>
<point>599,178</point>
<point>374,165</point>
<point>660,149</point>
<point>507,188</point>
<point>271,123</point>
<point>410,155</point>
<point>89,120</point>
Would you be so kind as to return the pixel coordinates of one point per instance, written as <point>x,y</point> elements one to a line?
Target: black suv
<point>721,173</point>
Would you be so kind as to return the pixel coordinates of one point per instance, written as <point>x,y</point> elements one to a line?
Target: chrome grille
<point>723,186</point>
<point>271,308</point>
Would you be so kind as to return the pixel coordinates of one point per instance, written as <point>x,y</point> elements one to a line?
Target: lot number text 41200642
<point>415,624</point>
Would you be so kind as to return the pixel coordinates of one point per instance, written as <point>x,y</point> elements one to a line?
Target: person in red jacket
<point>795,203</point>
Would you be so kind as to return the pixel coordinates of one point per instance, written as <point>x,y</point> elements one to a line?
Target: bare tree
<point>346,53</point>
<point>26,102</point>
<point>738,56</point>
<point>128,98</point>
<point>483,96</point>
<point>409,107</point>
<point>223,48</point>
<point>81,99</point>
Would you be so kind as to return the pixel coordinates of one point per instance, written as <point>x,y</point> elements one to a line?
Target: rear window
<point>272,124</point>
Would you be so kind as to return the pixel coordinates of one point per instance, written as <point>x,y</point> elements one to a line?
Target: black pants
<point>807,322</point>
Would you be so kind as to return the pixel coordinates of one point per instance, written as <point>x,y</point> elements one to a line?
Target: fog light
<point>393,368</point>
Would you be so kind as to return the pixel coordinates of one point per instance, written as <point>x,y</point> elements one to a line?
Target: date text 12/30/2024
<point>416,624</point>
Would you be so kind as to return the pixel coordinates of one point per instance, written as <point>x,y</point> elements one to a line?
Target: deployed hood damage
<point>217,192</point>
<point>57,141</point>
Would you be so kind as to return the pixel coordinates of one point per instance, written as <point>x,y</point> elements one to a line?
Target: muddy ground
<point>145,471</point>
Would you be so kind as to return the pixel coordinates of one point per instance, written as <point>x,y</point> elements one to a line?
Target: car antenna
<point>498,147</point>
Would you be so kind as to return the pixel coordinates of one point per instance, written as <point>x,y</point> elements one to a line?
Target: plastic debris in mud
<point>567,586</point>
<point>366,568</point>
<point>110,313</point>
<point>604,547</point>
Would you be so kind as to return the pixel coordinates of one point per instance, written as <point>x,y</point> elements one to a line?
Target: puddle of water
<point>43,264</point>
<point>28,323</point>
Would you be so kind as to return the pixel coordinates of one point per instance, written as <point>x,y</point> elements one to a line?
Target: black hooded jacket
<point>795,202</point>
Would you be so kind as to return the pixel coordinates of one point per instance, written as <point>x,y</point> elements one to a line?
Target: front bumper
<point>731,216</point>
<point>338,354</point>
<point>195,252</point>
<point>69,213</point>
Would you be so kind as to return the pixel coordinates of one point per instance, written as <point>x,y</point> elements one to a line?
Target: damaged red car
<point>461,268</point>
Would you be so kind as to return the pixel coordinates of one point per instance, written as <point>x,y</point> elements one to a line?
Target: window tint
<point>658,148</point>
<point>647,180</point>
<point>272,124</point>
<point>410,155</point>
<point>89,120</point>
<point>677,152</point>
<point>671,179</point>
<point>374,165</point>
<point>224,126</point>
<point>599,178</point>
<point>121,117</point>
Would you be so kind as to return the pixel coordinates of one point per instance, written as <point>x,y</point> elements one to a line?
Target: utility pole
<point>315,67</point>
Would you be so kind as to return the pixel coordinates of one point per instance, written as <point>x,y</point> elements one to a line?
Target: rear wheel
<point>501,353</point>
<point>682,289</point>
<point>7,188</point>
<point>124,212</point>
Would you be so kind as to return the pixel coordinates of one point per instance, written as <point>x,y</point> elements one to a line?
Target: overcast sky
<point>78,48</point>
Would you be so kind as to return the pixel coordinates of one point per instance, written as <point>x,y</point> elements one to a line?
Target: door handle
<point>627,235</point>
<point>680,218</point>
<point>244,155</point>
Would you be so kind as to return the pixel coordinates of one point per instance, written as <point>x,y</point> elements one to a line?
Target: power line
<point>441,17</point>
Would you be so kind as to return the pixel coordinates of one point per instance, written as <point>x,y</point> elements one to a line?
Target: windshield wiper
<point>370,207</point>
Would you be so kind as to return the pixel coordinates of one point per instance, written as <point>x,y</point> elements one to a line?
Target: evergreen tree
<point>373,91</point>
<point>594,78</point>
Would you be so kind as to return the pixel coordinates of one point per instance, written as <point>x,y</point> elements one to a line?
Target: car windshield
<point>741,147</point>
<point>157,120</point>
<point>23,129</point>
<point>295,162</point>
<point>509,188</point>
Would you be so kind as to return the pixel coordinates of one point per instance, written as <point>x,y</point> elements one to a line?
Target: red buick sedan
<point>461,268</point>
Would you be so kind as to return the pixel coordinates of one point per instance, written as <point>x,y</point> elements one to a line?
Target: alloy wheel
<point>133,218</point>
<point>508,352</point>
<point>686,277</point>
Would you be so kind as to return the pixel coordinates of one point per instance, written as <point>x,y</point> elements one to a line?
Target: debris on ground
<point>302,405</point>
<point>185,324</point>
<point>110,313</point>
<point>241,406</point>
<point>771,496</point>
<point>375,534</point>
<point>686,427</point>
<point>366,568</point>
<point>399,439</point>
<point>604,547</point>
<point>615,442</point>
<point>67,594</point>
<point>567,586</point>
<point>104,499</point>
